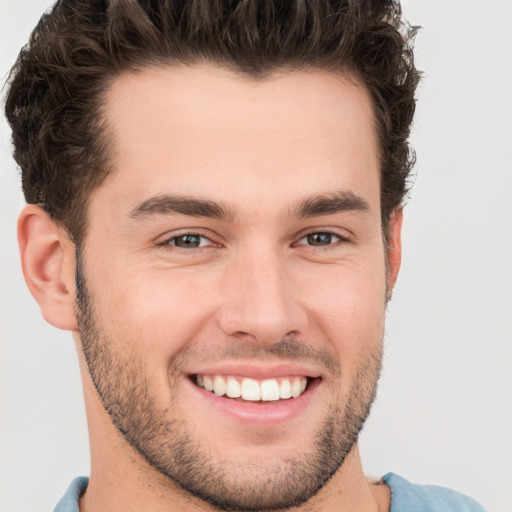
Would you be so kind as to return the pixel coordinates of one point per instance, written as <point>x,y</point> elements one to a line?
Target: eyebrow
<point>325,204</point>
<point>175,204</point>
<point>329,204</point>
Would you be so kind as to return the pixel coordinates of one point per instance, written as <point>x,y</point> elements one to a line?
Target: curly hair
<point>57,87</point>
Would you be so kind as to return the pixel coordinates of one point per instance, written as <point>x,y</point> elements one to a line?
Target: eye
<point>321,239</point>
<point>189,241</point>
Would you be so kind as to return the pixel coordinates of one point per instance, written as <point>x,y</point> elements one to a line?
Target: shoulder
<point>69,502</point>
<point>408,497</point>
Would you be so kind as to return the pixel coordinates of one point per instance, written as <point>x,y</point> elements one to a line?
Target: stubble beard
<point>166,443</point>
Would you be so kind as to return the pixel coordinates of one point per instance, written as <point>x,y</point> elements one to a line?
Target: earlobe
<point>394,249</point>
<point>47,259</point>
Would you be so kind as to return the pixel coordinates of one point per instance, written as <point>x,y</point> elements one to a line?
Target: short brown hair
<point>57,85</point>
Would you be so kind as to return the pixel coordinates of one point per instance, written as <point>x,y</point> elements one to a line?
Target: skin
<point>260,148</point>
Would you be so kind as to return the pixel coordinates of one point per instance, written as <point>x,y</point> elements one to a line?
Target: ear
<point>48,263</point>
<point>394,257</point>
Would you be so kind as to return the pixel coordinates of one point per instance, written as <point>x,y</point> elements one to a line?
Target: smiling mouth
<point>252,390</point>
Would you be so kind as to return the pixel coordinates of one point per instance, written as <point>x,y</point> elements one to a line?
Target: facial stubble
<point>167,443</point>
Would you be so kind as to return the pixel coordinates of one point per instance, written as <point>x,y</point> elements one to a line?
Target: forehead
<point>203,128</point>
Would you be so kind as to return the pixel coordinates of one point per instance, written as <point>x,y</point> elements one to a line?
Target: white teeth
<point>233,388</point>
<point>208,383</point>
<point>285,389</point>
<point>296,387</point>
<point>219,386</point>
<point>268,390</point>
<point>251,390</point>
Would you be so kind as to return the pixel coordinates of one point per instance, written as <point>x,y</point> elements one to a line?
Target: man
<point>215,196</point>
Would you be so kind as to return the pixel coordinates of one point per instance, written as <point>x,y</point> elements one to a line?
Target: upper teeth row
<point>250,389</point>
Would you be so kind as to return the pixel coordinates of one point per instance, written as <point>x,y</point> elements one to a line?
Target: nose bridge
<point>260,301</point>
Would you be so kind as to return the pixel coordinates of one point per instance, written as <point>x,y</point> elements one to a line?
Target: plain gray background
<point>444,410</point>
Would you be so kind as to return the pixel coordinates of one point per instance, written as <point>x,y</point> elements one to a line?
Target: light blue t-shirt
<point>405,497</point>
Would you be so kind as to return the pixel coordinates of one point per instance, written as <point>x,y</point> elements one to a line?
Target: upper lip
<point>258,370</point>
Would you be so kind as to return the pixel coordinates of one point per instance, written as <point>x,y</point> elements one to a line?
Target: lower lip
<point>259,413</point>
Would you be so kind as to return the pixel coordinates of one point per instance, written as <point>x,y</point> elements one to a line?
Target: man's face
<point>237,243</point>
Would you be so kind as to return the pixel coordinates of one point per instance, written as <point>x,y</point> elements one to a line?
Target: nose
<point>260,301</point>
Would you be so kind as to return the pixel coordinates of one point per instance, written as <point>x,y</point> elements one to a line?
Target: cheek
<point>347,304</point>
<point>351,317</point>
<point>159,313</point>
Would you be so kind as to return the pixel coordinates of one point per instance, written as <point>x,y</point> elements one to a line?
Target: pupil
<point>319,239</point>
<point>187,241</point>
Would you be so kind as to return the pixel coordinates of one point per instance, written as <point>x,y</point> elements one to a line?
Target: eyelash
<point>167,244</point>
<point>341,239</point>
